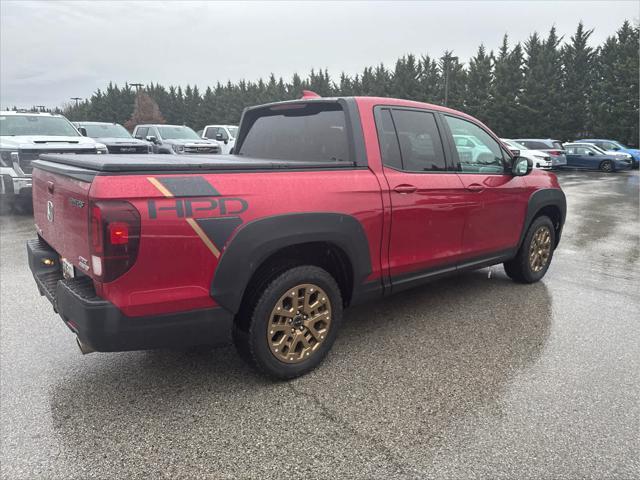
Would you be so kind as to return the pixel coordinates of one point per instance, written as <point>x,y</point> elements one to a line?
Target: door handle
<point>50,187</point>
<point>475,187</point>
<point>404,188</point>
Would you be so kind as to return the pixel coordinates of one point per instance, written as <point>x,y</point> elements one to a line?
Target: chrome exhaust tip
<point>85,349</point>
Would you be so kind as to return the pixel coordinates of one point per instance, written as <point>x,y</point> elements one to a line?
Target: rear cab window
<point>410,140</point>
<point>314,131</point>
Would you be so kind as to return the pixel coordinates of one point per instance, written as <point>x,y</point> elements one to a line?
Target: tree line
<point>546,86</point>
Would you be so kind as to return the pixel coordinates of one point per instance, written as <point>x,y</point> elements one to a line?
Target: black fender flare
<point>544,198</point>
<point>259,239</point>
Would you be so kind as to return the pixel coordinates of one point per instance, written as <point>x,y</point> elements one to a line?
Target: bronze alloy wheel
<point>540,249</point>
<point>299,323</point>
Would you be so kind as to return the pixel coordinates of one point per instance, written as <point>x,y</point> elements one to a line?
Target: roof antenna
<point>310,94</point>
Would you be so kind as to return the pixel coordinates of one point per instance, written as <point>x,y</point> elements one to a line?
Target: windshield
<point>177,133</point>
<point>233,131</point>
<point>112,130</point>
<point>12,125</point>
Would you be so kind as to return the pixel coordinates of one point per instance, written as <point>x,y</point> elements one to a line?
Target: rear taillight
<point>555,153</point>
<point>114,234</point>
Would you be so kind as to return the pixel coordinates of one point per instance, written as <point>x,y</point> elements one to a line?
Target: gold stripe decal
<point>203,237</point>
<point>159,186</point>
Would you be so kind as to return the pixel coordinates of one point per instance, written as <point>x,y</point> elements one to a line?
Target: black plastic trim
<point>413,279</point>
<point>259,239</point>
<point>544,198</point>
<point>101,326</point>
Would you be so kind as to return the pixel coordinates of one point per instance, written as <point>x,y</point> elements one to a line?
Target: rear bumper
<point>101,326</point>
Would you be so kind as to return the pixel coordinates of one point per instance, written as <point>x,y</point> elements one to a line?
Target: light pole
<point>77,99</point>
<point>446,62</point>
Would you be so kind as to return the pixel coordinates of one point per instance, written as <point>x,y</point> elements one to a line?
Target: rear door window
<point>387,139</point>
<point>311,132</point>
<point>420,144</point>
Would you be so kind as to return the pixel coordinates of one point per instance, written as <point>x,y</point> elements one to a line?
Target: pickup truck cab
<point>175,140</point>
<point>224,134</point>
<point>114,136</point>
<point>328,202</point>
<point>23,137</point>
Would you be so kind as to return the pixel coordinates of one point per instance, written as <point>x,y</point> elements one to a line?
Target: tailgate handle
<point>50,187</point>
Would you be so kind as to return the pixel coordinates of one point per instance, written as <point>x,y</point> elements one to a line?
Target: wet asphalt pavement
<point>471,377</point>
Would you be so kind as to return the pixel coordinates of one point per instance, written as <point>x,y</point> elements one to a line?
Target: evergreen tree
<point>452,81</point>
<point>578,78</point>
<point>479,85</point>
<point>504,111</point>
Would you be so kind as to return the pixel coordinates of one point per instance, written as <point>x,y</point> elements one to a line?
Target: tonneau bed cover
<point>113,163</point>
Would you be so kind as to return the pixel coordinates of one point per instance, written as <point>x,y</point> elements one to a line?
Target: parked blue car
<point>615,146</point>
<point>585,157</point>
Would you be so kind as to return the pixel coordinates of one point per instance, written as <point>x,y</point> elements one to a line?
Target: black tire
<point>606,166</point>
<point>250,332</point>
<point>519,269</point>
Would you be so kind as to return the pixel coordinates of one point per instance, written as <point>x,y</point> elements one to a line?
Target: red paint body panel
<point>441,222</point>
<point>174,268</point>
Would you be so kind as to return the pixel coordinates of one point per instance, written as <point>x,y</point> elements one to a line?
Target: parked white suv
<point>225,134</point>
<point>23,137</point>
<point>540,159</point>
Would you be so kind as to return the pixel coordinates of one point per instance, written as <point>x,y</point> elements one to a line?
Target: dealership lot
<point>471,377</point>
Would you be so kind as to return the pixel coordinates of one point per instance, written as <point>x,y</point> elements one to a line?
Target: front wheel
<point>606,166</point>
<point>534,256</point>
<point>293,324</point>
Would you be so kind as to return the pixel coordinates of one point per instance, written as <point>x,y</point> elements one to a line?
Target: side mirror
<point>152,139</point>
<point>521,166</point>
<point>83,131</point>
<point>591,154</point>
<point>616,149</point>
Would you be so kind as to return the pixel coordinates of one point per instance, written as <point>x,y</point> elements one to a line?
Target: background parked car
<point>539,159</point>
<point>586,157</point>
<point>615,146</point>
<point>175,139</point>
<point>114,136</point>
<point>225,134</point>
<point>470,148</point>
<point>553,147</point>
<point>23,137</point>
<point>620,155</point>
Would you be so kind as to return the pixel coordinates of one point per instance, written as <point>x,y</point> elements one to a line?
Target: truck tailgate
<point>61,213</point>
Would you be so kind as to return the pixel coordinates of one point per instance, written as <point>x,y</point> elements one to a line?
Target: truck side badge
<point>50,210</point>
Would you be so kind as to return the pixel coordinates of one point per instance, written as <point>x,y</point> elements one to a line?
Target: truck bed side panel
<point>188,219</point>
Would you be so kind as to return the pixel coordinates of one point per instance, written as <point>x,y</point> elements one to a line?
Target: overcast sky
<point>50,51</point>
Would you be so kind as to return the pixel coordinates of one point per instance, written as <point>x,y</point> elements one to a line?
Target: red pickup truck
<point>325,203</point>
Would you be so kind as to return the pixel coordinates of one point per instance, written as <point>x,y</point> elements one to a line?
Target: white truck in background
<point>225,134</point>
<point>23,137</point>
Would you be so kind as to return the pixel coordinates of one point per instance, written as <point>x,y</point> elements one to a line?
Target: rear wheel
<point>606,166</point>
<point>293,323</point>
<point>534,257</point>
